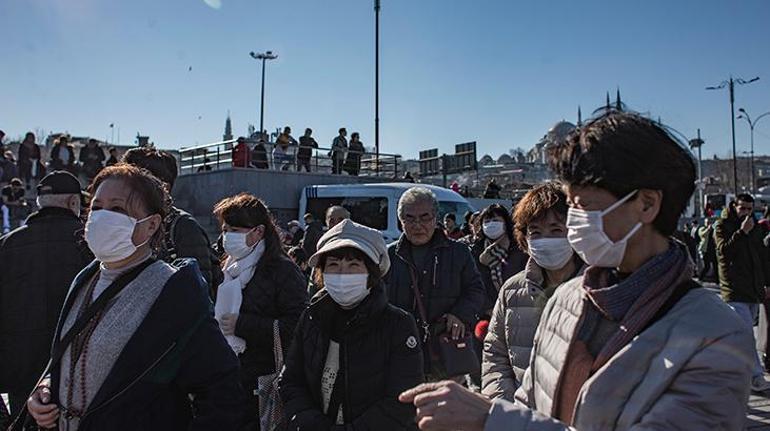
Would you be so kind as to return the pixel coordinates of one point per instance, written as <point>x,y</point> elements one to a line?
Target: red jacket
<point>241,156</point>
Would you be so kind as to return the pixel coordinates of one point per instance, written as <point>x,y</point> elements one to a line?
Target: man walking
<point>305,151</point>
<point>432,277</point>
<point>744,268</point>
<point>337,154</point>
<point>38,263</point>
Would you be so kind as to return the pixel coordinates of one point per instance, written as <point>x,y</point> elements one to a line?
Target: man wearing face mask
<point>39,262</point>
<point>634,343</point>
<point>540,218</point>
<point>432,277</point>
<point>743,263</point>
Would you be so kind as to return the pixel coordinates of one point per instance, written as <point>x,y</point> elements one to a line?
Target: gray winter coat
<point>508,343</point>
<point>690,370</point>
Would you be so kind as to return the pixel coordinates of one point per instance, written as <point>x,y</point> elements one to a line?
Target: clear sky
<point>500,72</point>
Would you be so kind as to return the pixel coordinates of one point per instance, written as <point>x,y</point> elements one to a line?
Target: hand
<point>455,326</point>
<point>46,415</point>
<point>748,224</point>
<point>447,406</point>
<point>227,323</point>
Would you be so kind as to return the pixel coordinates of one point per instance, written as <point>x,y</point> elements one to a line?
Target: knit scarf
<point>495,257</point>
<point>635,300</point>
<point>237,274</point>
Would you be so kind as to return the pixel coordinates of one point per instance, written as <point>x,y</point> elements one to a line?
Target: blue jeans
<point>748,312</point>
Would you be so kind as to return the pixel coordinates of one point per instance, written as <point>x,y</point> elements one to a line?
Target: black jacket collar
<point>323,308</point>
<point>404,247</point>
<point>51,212</point>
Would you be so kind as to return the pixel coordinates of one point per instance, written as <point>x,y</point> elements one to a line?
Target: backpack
<point>217,277</point>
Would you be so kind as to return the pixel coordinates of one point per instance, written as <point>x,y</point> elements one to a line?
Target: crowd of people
<point>577,309</point>
<point>287,153</point>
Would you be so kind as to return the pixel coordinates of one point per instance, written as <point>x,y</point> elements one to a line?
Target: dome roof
<point>559,132</point>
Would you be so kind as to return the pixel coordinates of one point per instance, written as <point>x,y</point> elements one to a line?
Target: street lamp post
<point>268,55</point>
<point>698,143</point>
<point>377,84</point>
<point>730,84</point>
<point>745,115</point>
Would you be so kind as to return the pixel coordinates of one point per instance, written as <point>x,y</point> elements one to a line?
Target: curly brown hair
<point>146,190</point>
<point>536,204</point>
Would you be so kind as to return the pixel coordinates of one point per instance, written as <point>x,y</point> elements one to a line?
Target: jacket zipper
<point>346,415</point>
<point>130,385</point>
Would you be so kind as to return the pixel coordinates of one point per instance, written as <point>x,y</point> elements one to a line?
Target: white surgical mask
<point>493,229</point>
<point>108,234</point>
<point>235,246</point>
<point>550,253</point>
<point>347,290</point>
<point>586,235</point>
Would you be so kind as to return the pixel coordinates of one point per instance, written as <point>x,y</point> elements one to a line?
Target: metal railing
<point>219,155</point>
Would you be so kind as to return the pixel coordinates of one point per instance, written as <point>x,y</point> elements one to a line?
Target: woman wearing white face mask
<point>352,352</point>
<point>136,337</point>
<point>262,286</point>
<point>498,257</point>
<point>540,219</point>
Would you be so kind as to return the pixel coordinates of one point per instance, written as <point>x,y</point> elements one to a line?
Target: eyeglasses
<point>423,219</point>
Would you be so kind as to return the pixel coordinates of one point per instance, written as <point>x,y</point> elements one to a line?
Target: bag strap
<point>420,307</point>
<point>277,346</point>
<point>121,282</point>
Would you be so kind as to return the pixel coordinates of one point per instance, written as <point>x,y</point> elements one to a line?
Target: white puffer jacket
<point>690,370</point>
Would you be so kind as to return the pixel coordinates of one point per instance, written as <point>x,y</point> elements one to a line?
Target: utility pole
<point>730,84</point>
<point>698,143</point>
<point>263,57</point>
<point>377,84</point>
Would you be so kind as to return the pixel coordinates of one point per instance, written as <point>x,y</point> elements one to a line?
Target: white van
<point>375,205</point>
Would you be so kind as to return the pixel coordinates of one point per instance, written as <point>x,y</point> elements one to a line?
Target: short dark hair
<point>621,152</point>
<point>537,203</point>
<point>349,253</point>
<point>500,211</point>
<point>159,163</point>
<point>298,254</point>
<point>342,129</point>
<point>16,182</point>
<point>450,216</point>
<point>745,197</point>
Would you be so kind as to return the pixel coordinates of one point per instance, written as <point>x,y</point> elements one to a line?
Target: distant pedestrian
<point>113,159</point>
<point>450,227</point>
<point>492,190</point>
<point>355,152</point>
<point>305,152</point>
<point>313,232</point>
<point>408,177</point>
<point>241,153</point>
<point>30,164</point>
<point>39,263</point>
<point>62,155</point>
<point>282,157</point>
<point>337,153</point>
<point>298,256</point>
<point>91,159</point>
<point>336,214</point>
<point>14,205</point>
<point>9,168</point>
<point>259,155</point>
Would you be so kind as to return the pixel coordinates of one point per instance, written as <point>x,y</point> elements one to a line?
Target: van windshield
<point>457,208</point>
<point>368,211</point>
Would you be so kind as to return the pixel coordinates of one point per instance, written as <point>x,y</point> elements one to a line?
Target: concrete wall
<point>197,193</point>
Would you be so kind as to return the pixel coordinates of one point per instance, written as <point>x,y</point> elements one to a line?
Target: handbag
<point>456,356</point>
<point>271,417</point>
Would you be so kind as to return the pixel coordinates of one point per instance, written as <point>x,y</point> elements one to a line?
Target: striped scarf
<point>495,257</point>
<point>635,300</point>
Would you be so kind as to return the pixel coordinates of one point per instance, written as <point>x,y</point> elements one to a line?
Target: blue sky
<point>499,72</point>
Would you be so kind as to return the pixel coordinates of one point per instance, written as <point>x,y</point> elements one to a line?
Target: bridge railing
<point>219,155</point>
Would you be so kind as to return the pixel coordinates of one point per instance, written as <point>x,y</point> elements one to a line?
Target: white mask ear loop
<point>142,221</point>
<point>617,204</point>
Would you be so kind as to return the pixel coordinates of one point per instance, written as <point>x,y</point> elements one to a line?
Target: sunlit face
<point>114,195</point>
<point>618,222</point>
<point>335,265</point>
<point>449,224</point>
<point>551,225</point>
<point>419,222</point>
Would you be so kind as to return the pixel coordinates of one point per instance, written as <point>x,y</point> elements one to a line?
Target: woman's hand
<point>455,326</point>
<point>447,406</point>
<point>46,415</point>
<point>227,323</point>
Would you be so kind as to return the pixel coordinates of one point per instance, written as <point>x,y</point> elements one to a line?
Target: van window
<point>368,211</point>
<point>457,208</point>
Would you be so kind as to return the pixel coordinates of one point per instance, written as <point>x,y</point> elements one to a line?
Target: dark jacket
<point>514,264</point>
<point>92,160</point>
<point>61,161</point>
<point>743,260</point>
<point>37,265</point>
<point>449,282</point>
<point>313,232</point>
<point>26,155</point>
<point>185,238</point>
<point>277,291</point>
<point>259,156</point>
<point>379,358</point>
<point>177,350</point>
<point>306,145</point>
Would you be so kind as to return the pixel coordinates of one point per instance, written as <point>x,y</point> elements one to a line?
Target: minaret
<point>580,117</point>
<point>618,103</point>
<point>608,106</point>
<point>228,136</point>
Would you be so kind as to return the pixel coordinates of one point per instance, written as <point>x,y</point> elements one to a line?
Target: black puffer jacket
<point>379,358</point>
<point>38,262</point>
<point>185,238</point>
<point>277,291</point>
